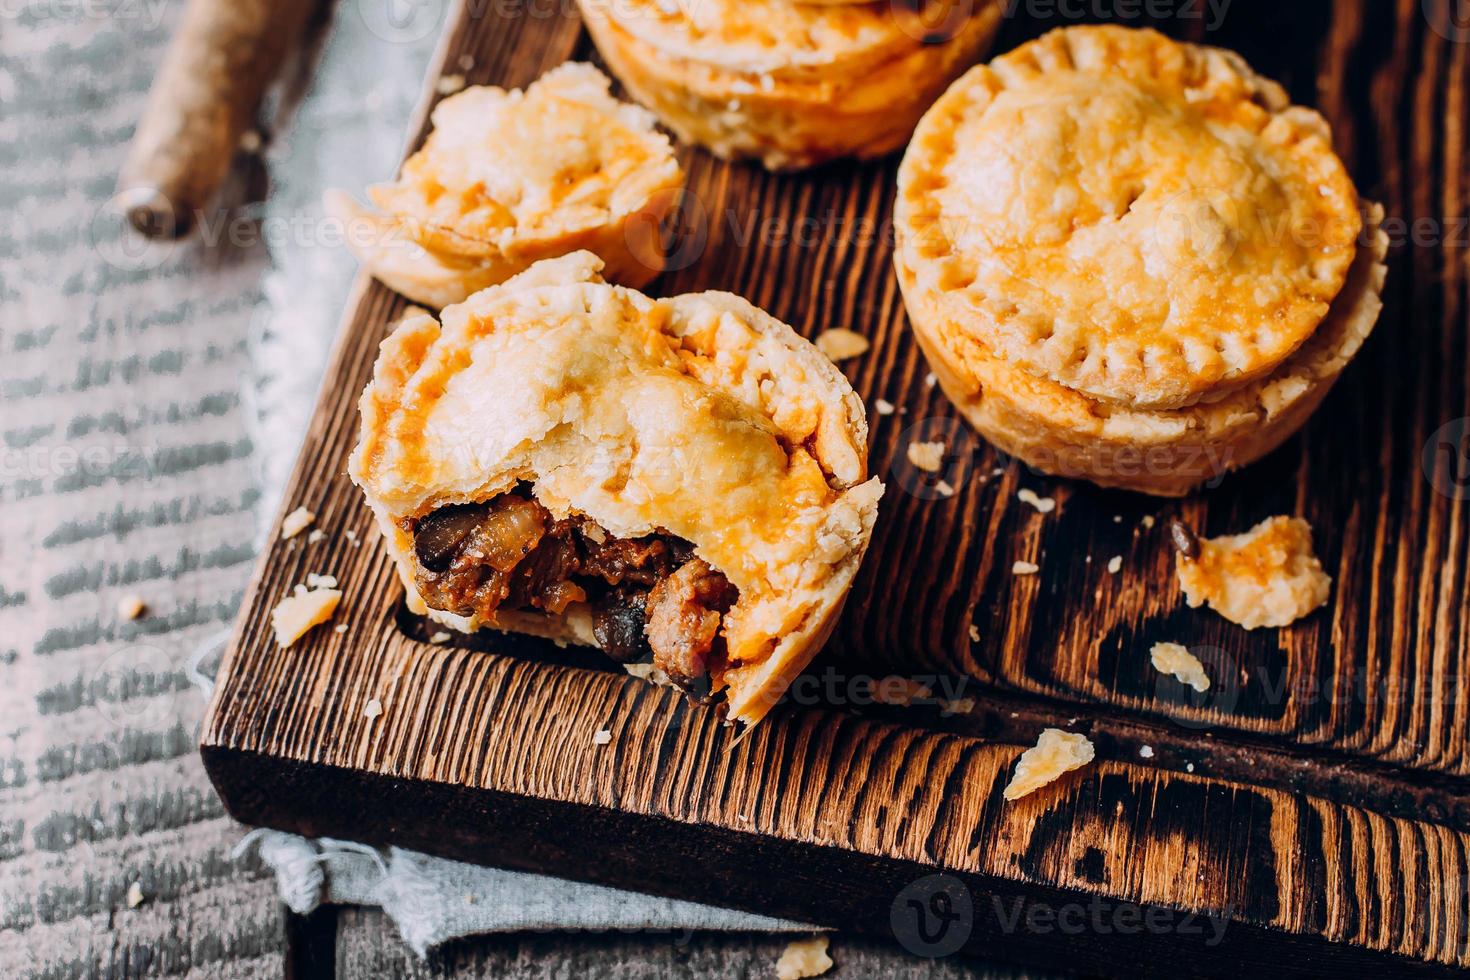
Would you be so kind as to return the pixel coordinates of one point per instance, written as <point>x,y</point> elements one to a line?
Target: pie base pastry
<point>508,178</point>
<point>572,459</point>
<point>1054,303</point>
<point>790,84</point>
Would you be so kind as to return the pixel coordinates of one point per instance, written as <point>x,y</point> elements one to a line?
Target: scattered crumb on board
<point>1174,658</point>
<point>296,522</point>
<point>299,612</point>
<point>1055,753</point>
<point>1043,505</point>
<point>839,344</point>
<point>926,456</point>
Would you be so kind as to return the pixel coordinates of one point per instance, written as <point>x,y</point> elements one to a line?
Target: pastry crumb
<point>372,709</point>
<point>959,706</point>
<point>601,737</point>
<point>804,958</point>
<point>317,535</point>
<point>1146,751</point>
<point>340,628</point>
<point>298,613</point>
<point>1025,568</point>
<point>899,691</point>
<point>1189,767</point>
<point>449,84</point>
<point>883,406</point>
<point>1054,754</point>
<point>1148,521</point>
<point>648,672</point>
<point>442,636</point>
<point>840,344</point>
<point>1174,658</point>
<point>974,633</point>
<point>135,896</point>
<point>315,581</point>
<point>1115,564</point>
<point>1043,505</point>
<point>927,456</point>
<point>350,535</point>
<point>944,489</point>
<point>131,607</point>
<point>1268,576</point>
<point>930,380</point>
<point>296,522</point>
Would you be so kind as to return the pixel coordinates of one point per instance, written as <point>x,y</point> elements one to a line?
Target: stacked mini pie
<point>790,83</point>
<point>1132,260</point>
<point>508,178</point>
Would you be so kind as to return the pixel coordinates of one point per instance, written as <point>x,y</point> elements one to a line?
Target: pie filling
<point>649,596</point>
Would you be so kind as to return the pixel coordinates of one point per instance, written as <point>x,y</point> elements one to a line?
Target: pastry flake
<point>296,522</point>
<point>507,178</point>
<point>683,479</point>
<point>804,958</point>
<point>1132,260</point>
<point>792,84</point>
<point>1175,659</point>
<point>295,615</point>
<point>1268,576</point>
<point>1054,755</point>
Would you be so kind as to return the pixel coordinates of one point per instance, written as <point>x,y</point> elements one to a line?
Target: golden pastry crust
<point>698,416</point>
<point>507,178</point>
<point>1147,222</point>
<point>791,84</point>
<point>1268,576</point>
<point>1165,452</point>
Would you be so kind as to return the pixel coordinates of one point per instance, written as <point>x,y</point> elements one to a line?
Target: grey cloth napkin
<point>348,133</point>
<point>432,900</point>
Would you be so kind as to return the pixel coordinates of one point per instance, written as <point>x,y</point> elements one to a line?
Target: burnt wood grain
<point>1315,801</point>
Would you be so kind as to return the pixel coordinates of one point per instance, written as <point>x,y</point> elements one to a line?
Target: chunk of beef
<point>648,594</point>
<point>684,613</point>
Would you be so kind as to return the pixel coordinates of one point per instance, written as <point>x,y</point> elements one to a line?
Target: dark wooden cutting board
<point>1314,804</point>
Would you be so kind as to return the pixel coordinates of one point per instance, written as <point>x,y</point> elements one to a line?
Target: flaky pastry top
<point>699,416</point>
<point>503,169</point>
<point>780,36</point>
<point>1145,221</point>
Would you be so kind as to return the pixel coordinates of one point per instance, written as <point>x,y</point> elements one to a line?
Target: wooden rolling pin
<point>206,95</point>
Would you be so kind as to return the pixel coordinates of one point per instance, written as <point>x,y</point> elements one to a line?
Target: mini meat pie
<point>1133,260</point>
<point>792,84</point>
<point>681,479</point>
<point>507,178</point>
